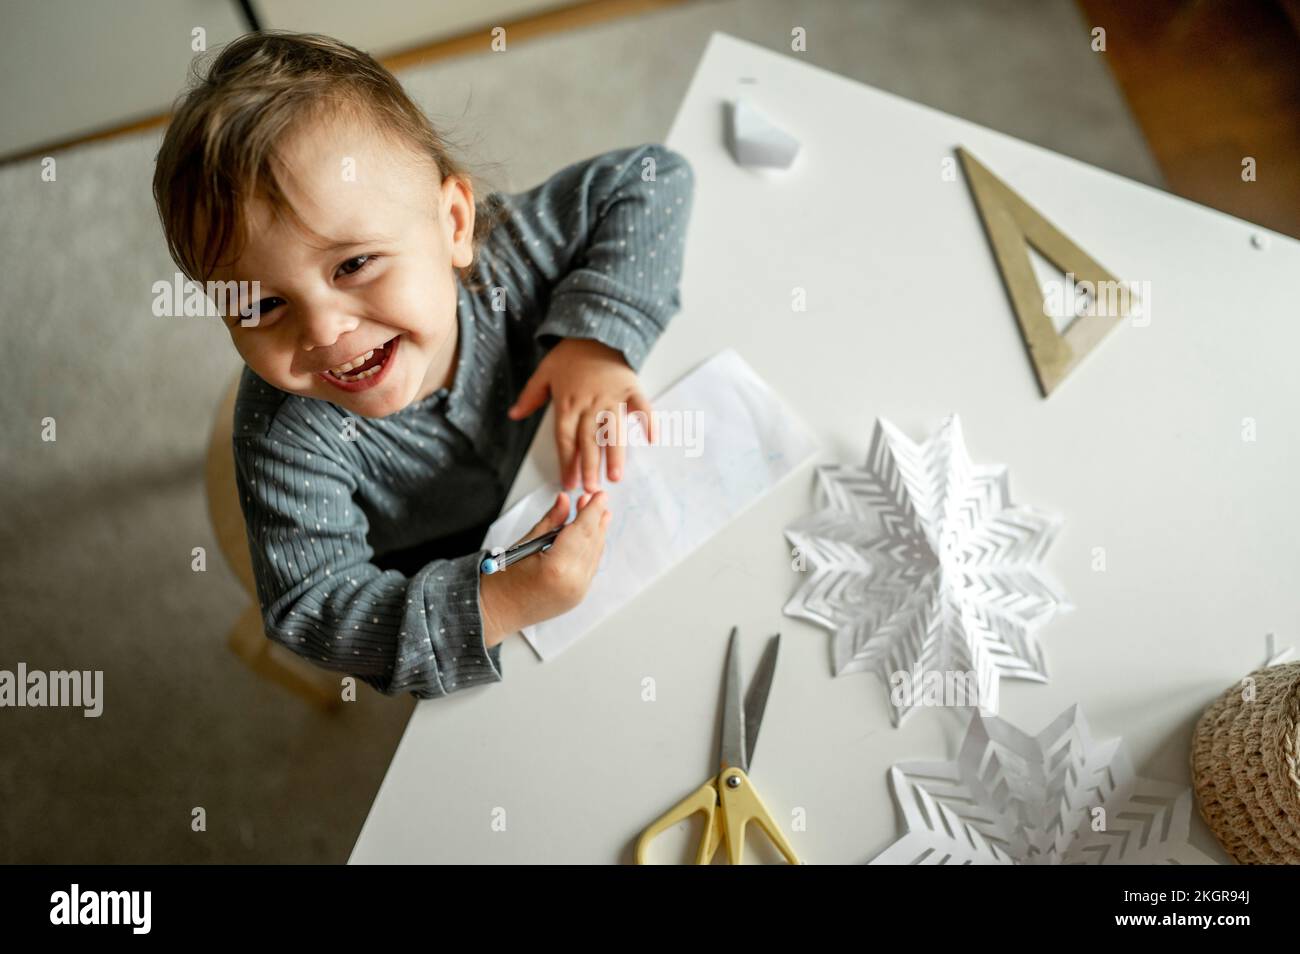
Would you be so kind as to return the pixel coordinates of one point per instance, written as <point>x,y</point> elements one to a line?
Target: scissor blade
<point>756,697</point>
<point>733,716</point>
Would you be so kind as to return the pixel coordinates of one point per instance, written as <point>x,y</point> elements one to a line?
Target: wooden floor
<point>577,14</point>
<point>1212,82</point>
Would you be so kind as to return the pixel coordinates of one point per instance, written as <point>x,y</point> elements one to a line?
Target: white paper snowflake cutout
<point>1058,798</point>
<point>920,565</point>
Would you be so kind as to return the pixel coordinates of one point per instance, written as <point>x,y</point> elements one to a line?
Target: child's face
<point>389,282</point>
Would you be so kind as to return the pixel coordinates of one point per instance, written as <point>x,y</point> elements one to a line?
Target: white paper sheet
<point>723,438</point>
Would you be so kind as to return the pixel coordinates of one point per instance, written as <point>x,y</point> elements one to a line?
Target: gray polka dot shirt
<point>593,252</point>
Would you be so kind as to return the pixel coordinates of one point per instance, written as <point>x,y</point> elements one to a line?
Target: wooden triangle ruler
<point>1012,226</point>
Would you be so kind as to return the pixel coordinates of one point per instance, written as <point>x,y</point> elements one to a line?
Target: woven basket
<point>1246,767</point>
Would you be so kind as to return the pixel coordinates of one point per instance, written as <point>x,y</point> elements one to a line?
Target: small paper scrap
<point>723,439</point>
<point>757,141</point>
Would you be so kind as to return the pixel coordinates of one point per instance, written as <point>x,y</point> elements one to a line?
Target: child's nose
<point>322,327</point>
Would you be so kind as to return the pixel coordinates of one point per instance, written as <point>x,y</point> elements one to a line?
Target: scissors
<point>728,800</point>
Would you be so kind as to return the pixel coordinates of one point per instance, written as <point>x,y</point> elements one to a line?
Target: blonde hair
<point>219,149</point>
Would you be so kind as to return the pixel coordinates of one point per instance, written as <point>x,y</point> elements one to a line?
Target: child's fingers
<point>615,452</point>
<point>575,467</point>
<point>571,471</point>
<point>598,537</point>
<point>555,517</point>
<point>590,450</point>
<point>567,472</point>
<point>578,535</point>
<point>532,397</point>
<point>639,404</point>
<point>565,427</point>
<point>589,516</point>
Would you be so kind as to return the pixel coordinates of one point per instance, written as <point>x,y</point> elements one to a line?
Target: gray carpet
<point>96,528</point>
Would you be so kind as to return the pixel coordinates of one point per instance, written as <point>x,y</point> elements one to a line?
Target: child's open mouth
<point>364,371</point>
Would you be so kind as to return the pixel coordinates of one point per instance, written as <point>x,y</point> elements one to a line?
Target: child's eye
<point>261,309</point>
<point>354,265</point>
<point>267,305</point>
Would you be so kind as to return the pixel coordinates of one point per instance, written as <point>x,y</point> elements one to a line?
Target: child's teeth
<point>360,377</point>
<point>354,363</point>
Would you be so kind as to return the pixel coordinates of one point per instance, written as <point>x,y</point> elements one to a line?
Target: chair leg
<point>249,641</point>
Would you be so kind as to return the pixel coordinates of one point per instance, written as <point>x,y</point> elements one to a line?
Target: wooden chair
<point>248,639</point>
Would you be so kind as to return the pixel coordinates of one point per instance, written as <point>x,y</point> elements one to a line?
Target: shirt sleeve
<point>323,598</point>
<point>603,240</point>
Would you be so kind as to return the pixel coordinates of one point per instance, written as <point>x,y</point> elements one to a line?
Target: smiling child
<point>405,339</point>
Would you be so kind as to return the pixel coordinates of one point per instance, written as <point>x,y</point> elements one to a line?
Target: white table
<point>1141,450</point>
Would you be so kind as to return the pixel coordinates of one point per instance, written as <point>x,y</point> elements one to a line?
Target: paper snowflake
<point>924,570</point>
<point>1060,798</point>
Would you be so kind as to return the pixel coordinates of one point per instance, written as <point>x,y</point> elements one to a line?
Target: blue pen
<point>497,563</point>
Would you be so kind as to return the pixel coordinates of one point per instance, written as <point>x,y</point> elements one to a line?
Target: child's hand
<point>584,378</point>
<point>549,583</point>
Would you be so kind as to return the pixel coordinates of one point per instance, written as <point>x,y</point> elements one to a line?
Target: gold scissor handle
<point>728,807</point>
<point>703,799</point>
<point>740,806</point>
